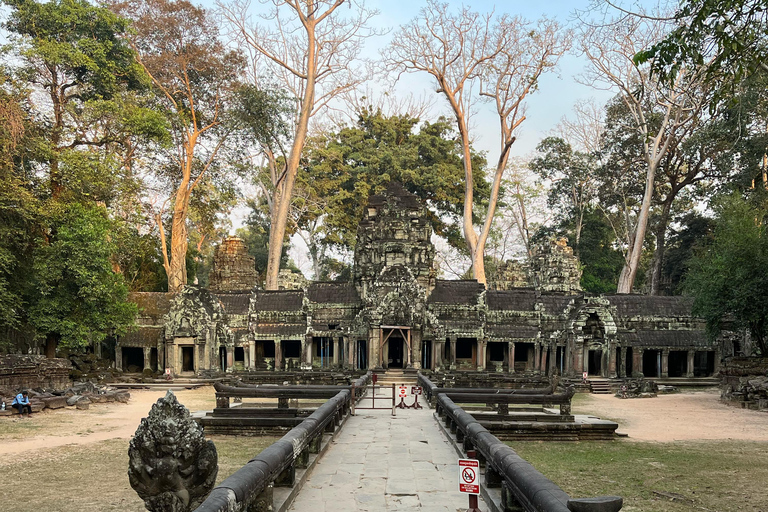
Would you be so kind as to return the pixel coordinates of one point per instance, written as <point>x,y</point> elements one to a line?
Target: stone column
<point>306,350</point>
<point>230,358</point>
<point>612,352</point>
<point>438,347</point>
<point>481,349</point>
<point>278,354</point>
<point>453,352</point>
<point>251,354</point>
<point>689,367</point>
<point>637,360</point>
<point>578,357</point>
<point>119,357</point>
<point>147,356</point>
<point>552,359</point>
<point>537,357</point>
<point>665,363</point>
<point>374,357</point>
<point>511,356</point>
<point>716,368</point>
<point>416,349</point>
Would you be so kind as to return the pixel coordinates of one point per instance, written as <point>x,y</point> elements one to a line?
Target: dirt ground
<point>685,416</point>
<point>53,428</point>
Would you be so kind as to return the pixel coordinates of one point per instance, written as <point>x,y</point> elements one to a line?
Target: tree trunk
<point>629,272</point>
<point>177,273</point>
<point>50,345</point>
<point>282,203</point>
<point>661,242</point>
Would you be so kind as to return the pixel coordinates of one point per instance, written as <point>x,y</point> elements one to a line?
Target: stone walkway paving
<point>378,462</point>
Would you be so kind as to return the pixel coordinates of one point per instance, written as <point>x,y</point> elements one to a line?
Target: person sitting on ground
<point>21,402</point>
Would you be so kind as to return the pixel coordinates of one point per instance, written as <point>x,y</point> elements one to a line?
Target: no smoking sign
<point>468,470</point>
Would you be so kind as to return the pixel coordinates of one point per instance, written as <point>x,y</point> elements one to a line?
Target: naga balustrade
<point>249,489</point>
<point>225,393</point>
<point>522,486</point>
<point>431,390</point>
<point>503,400</point>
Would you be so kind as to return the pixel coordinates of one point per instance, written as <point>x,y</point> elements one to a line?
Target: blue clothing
<point>20,400</point>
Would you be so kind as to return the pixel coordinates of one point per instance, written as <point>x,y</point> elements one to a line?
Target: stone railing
<point>251,487</point>
<point>522,486</point>
<point>431,390</point>
<point>503,400</point>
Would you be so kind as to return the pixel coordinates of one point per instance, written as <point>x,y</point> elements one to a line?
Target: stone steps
<point>600,387</point>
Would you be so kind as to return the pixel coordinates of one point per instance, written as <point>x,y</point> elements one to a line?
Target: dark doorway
<point>678,363</point>
<point>153,359</point>
<point>323,350</point>
<point>292,349</point>
<point>651,363</point>
<point>133,359</point>
<point>496,352</point>
<point>628,362</point>
<point>187,359</point>
<point>560,359</point>
<point>595,362</point>
<point>239,357</point>
<point>704,364</point>
<point>362,354</point>
<point>396,352</point>
<point>523,354</point>
<point>426,354</point>
<point>223,358</point>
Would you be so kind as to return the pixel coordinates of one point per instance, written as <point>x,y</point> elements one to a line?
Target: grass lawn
<point>706,475</point>
<point>94,477</point>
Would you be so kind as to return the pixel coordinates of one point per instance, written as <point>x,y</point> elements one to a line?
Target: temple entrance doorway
<point>187,359</point>
<point>595,362</point>
<point>396,346</point>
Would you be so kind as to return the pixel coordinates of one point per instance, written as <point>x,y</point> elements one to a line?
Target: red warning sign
<point>402,391</point>
<point>468,470</point>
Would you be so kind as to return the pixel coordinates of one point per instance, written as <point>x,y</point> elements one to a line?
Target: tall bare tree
<point>178,46</point>
<point>659,112</point>
<point>310,48</point>
<point>475,57</point>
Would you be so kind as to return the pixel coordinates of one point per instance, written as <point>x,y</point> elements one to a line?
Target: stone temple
<point>396,313</point>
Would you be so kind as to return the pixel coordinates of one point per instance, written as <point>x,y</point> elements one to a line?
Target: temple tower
<point>233,269</point>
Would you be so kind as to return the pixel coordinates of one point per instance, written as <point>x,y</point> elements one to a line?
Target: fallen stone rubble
<point>80,396</point>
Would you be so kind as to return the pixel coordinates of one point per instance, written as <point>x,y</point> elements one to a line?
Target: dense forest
<point>130,131</point>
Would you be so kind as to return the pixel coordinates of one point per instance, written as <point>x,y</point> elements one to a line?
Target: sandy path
<point>99,423</point>
<point>685,416</point>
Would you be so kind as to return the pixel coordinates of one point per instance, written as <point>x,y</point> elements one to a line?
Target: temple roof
<point>333,293</point>
<point>650,305</point>
<point>667,338</point>
<point>523,299</point>
<point>142,336</point>
<point>278,300</point>
<point>456,292</point>
<point>234,303</point>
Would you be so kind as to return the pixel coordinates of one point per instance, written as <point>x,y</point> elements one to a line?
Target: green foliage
<point>77,42</point>
<point>76,295</point>
<point>729,37</point>
<point>601,262</point>
<point>727,276</point>
<point>347,167</point>
<point>680,248</point>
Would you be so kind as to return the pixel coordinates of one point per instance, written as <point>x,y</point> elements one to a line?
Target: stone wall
<point>26,371</point>
<point>744,382</point>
